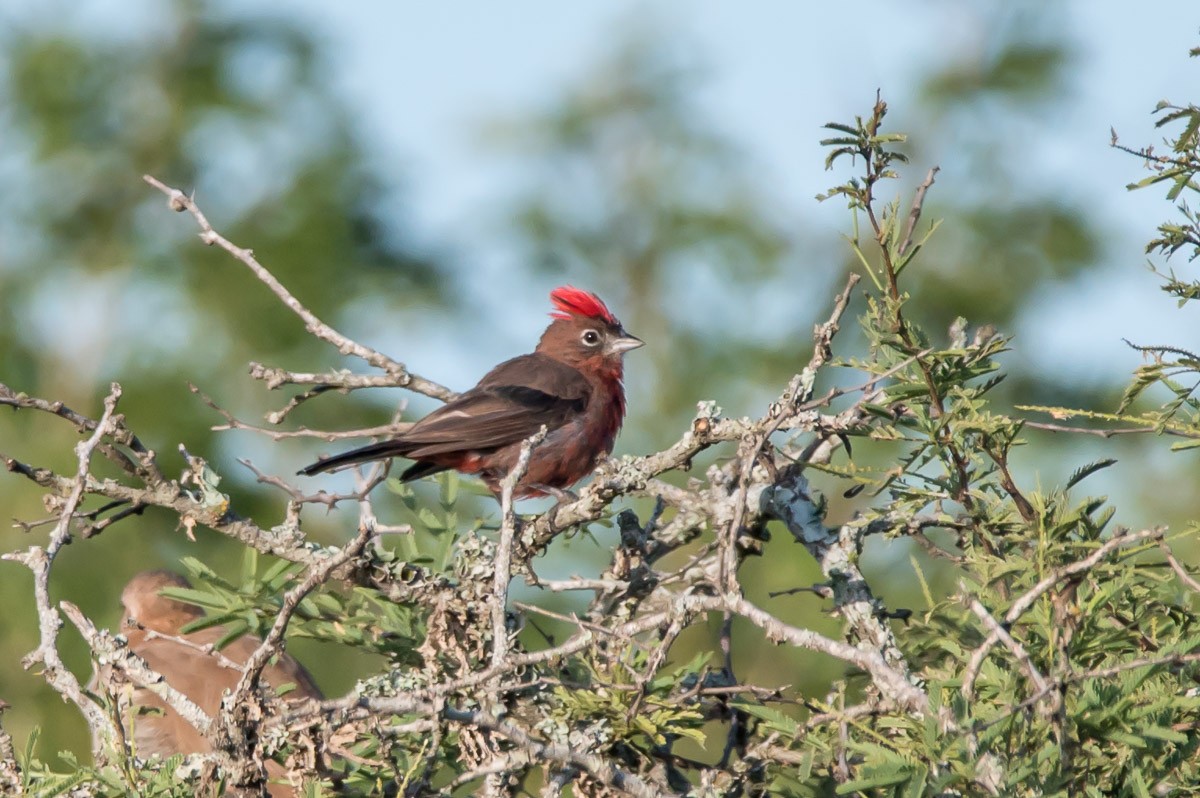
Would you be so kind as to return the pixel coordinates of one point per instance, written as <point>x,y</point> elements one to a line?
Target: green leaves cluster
<point>160,781</point>
<point>643,714</point>
<point>1095,693</point>
<point>360,618</point>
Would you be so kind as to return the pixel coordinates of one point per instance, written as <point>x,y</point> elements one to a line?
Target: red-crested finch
<point>571,384</point>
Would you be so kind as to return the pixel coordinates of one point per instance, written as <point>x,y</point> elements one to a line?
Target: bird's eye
<point>590,338</point>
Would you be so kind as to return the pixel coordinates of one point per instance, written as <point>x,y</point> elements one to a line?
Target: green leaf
<point>449,488</point>
<point>885,776</point>
<point>916,787</point>
<point>1086,471</point>
<point>774,719</point>
<point>1138,783</point>
<point>200,598</point>
<point>1163,733</point>
<point>429,519</point>
<point>279,574</point>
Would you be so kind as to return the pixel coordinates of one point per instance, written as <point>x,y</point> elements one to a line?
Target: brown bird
<point>571,384</point>
<point>203,676</point>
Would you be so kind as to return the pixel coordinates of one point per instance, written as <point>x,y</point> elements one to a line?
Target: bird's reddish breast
<point>571,451</point>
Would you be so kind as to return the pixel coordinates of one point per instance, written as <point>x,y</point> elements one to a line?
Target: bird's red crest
<point>571,301</point>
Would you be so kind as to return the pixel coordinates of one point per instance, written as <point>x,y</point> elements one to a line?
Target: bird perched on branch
<point>153,625</point>
<point>571,384</point>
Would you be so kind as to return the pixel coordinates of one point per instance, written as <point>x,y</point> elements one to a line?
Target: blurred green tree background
<point>625,184</point>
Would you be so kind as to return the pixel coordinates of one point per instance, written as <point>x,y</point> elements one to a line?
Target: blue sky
<point>426,76</point>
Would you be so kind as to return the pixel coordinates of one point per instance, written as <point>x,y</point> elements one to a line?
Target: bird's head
<point>145,606</point>
<point>585,333</point>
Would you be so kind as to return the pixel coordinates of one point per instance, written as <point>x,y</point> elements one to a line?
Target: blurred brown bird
<point>571,384</point>
<point>201,676</point>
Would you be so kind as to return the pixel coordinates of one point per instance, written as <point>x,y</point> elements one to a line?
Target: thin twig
<point>272,644</point>
<point>1177,660</point>
<point>1026,599</point>
<point>118,432</point>
<point>504,549</point>
<point>1018,650</point>
<point>1178,568</point>
<point>914,213</point>
<point>105,648</point>
<point>234,423</point>
<point>178,201</point>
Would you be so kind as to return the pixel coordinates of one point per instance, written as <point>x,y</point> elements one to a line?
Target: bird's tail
<point>375,451</point>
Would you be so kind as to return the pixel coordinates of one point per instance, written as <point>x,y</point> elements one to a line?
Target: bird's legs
<point>563,496</point>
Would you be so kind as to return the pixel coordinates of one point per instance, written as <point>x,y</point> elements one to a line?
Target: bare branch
<point>113,653</point>
<point>1018,651</point>
<point>504,550</point>
<point>272,644</point>
<point>1177,567</point>
<point>1026,600</point>
<point>178,201</point>
<point>914,213</point>
<point>117,431</point>
<point>40,560</point>
<point>234,423</point>
<point>11,782</point>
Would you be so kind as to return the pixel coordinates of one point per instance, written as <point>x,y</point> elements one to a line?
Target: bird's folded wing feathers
<point>510,404</point>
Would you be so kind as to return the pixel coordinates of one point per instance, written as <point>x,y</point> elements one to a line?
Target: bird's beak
<point>619,346</point>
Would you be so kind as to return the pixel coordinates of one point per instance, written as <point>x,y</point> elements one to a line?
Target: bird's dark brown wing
<point>508,405</point>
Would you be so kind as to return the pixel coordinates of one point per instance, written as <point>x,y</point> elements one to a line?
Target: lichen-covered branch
<point>40,560</point>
